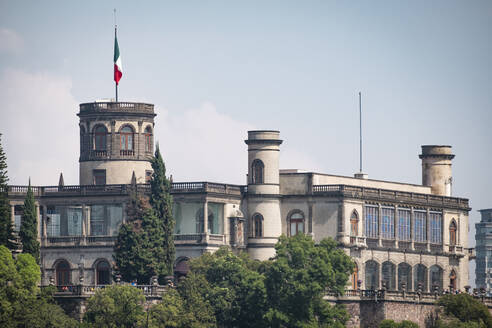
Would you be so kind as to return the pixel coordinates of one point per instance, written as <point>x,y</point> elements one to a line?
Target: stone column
<point>397,225</point>
<point>412,232</point>
<point>380,274</point>
<point>45,227</point>
<point>38,220</point>
<point>12,213</point>
<point>427,223</point>
<point>88,220</point>
<point>310,217</point>
<point>380,212</point>
<point>205,220</point>
<point>137,151</point>
<point>396,277</point>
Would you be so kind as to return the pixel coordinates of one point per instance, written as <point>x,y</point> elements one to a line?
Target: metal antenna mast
<point>360,131</point>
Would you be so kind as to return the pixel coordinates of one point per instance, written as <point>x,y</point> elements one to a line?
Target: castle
<point>402,237</point>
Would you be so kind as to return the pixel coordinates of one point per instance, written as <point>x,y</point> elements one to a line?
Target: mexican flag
<point>118,70</point>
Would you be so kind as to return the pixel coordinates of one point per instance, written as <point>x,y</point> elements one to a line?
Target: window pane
<point>387,223</point>
<point>420,228</point>
<point>404,225</point>
<point>97,220</point>
<point>371,218</point>
<point>436,233</point>
<point>74,221</point>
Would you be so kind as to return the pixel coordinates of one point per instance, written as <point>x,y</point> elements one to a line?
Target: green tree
<point>162,204</point>
<point>237,290</point>
<point>6,228</point>
<point>297,279</point>
<point>22,303</point>
<point>145,245</point>
<point>463,311</point>
<point>116,306</point>
<point>29,226</point>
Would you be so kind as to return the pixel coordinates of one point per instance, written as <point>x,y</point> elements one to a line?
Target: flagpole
<point>116,83</point>
<point>115,27</point>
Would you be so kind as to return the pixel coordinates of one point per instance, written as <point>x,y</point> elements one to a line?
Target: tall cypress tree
<point>29,226</point>
<point>145,245</point>
<point>6,228</point>
<point>162,204</point>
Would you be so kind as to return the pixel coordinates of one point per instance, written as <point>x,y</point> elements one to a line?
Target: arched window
<point>388,271</point>
<point>103,273</point>
<point>436,277</point>
<point>100,134</point>
<point>258,169</point>
<point>372,275</point>
<point>126,140</point>
<point>452,233</point>
<point>257,225</point>
<point>404,276</point>
<point>355,277</point>
<point>420,281</point>
<point>182,267</point>
<point>199,221</point>
<point>148,139</point>
<point>296,223</point>
<point>354,227</point>
<point>63,273</point>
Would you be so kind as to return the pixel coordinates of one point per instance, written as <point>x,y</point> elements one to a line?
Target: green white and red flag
<point>118,70</point>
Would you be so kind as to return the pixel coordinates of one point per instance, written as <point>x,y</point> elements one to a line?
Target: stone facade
<point>405,237</point>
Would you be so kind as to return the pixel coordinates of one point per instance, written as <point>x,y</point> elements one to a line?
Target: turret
<point>436,169</point>
<point>116,141</point>
<point>265,225</point>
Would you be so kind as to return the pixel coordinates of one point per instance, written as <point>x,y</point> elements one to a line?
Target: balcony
<point>116,107</point>
<point>358,242</point>
<point>199,238</point>
<point>79,240</point>
<point>390,195</point>
<point>127,152</point>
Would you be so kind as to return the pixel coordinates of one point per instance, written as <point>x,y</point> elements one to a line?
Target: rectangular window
<point>18,212</point>
<point>372,221</point>
<point>404,225</point>
<point>106,219</point>
<point>99,177</point>
<point>52,222</point>
<point>388,223</point>
<point>420,226</point>
<point>74,221</point>
<point>435,228</point>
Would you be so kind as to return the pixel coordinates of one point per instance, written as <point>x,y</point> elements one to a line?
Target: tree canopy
<point>116,306</point>
<point>6,228</point>
<point>145,245</point>
<point>462,311</point>
<point>29,226</point>
<point>22,303</point>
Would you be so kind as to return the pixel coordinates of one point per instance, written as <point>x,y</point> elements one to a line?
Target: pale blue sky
<point>217,68</point>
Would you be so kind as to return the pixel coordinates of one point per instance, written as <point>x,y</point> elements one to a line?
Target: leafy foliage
<point>297,279</point>
<point>237,290</point>
<point>29,226</point>
<point>145,245</point>
<point>463,311</point>
<point>116,306</point>
<point>22,304</point>
<point>6,229</point>
<point>404,324</point>
<point>162,204</point>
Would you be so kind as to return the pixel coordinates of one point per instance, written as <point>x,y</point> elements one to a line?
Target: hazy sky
<point>215,69</point>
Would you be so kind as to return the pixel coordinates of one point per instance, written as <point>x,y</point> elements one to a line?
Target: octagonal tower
<point>116,141</point>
